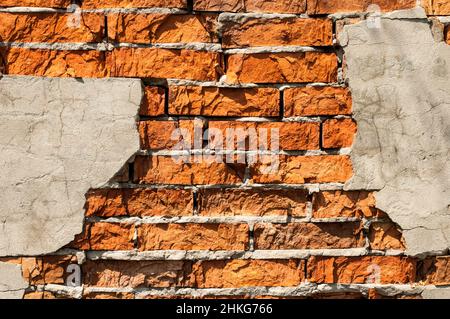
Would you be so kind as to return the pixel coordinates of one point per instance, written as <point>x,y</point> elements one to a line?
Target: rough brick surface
<point>36,3</point>
<point>278,6</point>
<point>435,271</point>
<point>308,236</point>
<point>160,135</point>
<point>266,32</point>
<point>106,236</point>
<point>334,6</point>
<point>313,101</point>
<point>213,101</point>
<point>384,236</point>
<point>338,133</point>
<point>95,4</point>
<point>153,103</point>
<point>193,237</point>
<point>436,7</point>
<point>162,28</point>
<point>262,202</point>
<point>139,202</point>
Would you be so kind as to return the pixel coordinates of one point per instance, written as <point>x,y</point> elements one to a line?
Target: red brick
<point>193,237</point>
<point>334,6</point>
<point>106,236</point>
<point>276,32</point>
<point>139,202</point>
<point>164,63</point>
<point>360,270</point>
<point>308,236</point>
<point>436,7</point>
<point>282,67</point>
<point>36,3</point>
<point>435,271</point>
<point>98,4</point>
<point>383,236</point>
<point>166,170</point>
<point>153,103</point>
<point>337,133</point>
<point>162,28</point>
<point>248,273</point>
<point>303,169</point>
<point>293,136</point>
<point>270,6</point>
<point>314,101</point>
<point>214,101</point>
<point>252,202</point>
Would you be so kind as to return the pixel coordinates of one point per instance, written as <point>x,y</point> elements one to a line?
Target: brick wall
<point>165,225</point>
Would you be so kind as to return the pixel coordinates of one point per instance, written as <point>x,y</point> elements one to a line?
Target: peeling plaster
<point>12,284</point>
<point>399,78</point>
<point>58,139</point>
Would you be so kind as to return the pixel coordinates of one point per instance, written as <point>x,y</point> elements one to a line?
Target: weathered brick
<point>164,63</point>
<point>337,133</point>
<point>248,273</point>
<point>359,270</point>
<point>334,6</point>
<point>135,274</point>
<point>106,236</point>
<point>153,103</point>
<point>37,295</point>
<point>436,7</point>
<point>193,237</point>
<point>107,295</point>
<point>447,35</point>
<point>293,136</point>
<point>168,170</point>
<point>21,61</point>
<point>282,67</point>
<point>271,6</point>
<point>36,3</point>
<point>46,270</point>
<point>252,202</point>
<point>214,101</point>
<point>333,204</point>
<point>162,28</point>
<point>384,236</point>
<point>160,135</point>
<point>97,4</point>
<point>308,236</point>
<point>435,271</point>
<point>302,169</point>
<point>50,27</point>
<point>139,202</point>
<point>314,101</point>
<point>251,32</point>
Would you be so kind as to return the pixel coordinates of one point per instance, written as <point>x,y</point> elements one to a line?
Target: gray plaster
<point>12,284</point>
<point>58,139</point>
<point>399,78</point>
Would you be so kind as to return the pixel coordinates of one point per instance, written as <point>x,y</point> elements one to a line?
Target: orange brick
<point>314,101</point>
<point>337,133</point>
<point>98,4</point>
<point>308,236</point>
<point>167,170</point>
<point>153,102</point>
<point>447,35</point>
<point>135,274</point>
<point>282,67</point>
<point>252,202</point>
<point>107,295</point>
<point>20,61</point>
<point>436,7</point>
<point>271,6</point>
<point>292,136</point>
<point>435,271</point>
<point>166,135</point>
<point>36,3</point>
<point>164,63</point>
<point>214,101</point>
<point>334,204</point>
<point>334,6</point>
<point>139,202</point>
<point>248,273</point>
<point>46,270</point>
<point>302,169</point>
<point>384,236</point>
<point>276,32</point>
<point>50,27</point>
<point>106,236</point>
<point>193,237</point>
<point>359,270</point>
<point>162,28</point>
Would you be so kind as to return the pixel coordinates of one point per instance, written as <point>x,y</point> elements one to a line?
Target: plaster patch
<point>58,139</point>
<point>399,78</point>
<point>12,284</point>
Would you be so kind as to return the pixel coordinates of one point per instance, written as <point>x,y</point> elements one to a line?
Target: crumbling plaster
<point>399,78</point>
<point>58,139</point>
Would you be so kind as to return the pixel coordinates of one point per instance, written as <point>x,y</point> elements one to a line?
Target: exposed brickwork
<point>199,221</point>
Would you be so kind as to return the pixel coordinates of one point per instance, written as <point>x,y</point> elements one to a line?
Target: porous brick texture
<point>219,220</point>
